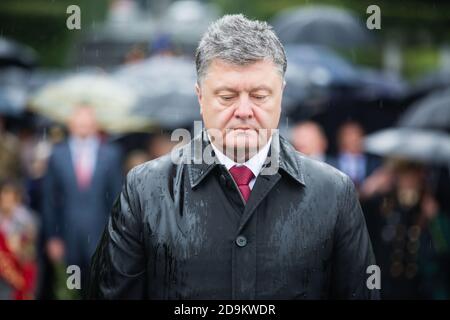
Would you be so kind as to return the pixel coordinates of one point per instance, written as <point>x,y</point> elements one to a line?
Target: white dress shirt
<point>85,151</point>
<point>255,163</point>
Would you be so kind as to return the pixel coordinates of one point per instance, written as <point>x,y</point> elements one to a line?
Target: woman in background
<point>17,245</point>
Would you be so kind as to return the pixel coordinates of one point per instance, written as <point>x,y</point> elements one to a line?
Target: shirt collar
<point>289,159</point>
<point>91,142</point>
<point>255,163</point>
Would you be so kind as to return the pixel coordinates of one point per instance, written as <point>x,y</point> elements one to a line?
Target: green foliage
<point>60,284</point>
<point>419,60</point>
<point>41,24</point>
<point>419,26</point>
<point>414,23</point>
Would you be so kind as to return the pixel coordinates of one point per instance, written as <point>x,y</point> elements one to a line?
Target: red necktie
<point>242,176</point>
<point>83,172</point>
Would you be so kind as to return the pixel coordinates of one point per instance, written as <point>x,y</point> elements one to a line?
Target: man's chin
<point>241,149</point>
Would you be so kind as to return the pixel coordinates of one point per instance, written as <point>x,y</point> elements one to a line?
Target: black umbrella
<point>426,146</point>
<point>166,90</point>
<point>15,54</point>
<point>325,25</point>
<point>432,112</point>
<point>13,90</point>
<point>315,71</point>
<point>324,87</point>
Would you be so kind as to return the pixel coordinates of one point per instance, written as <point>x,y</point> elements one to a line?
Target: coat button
<point>223,180</point>
<point>241,241</point>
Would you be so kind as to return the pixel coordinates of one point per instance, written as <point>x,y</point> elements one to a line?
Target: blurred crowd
<point>56,194</point>
<point>405,206</point>
<point>59,177</point>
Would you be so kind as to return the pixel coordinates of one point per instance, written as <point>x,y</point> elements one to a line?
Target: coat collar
<point>289,160</point>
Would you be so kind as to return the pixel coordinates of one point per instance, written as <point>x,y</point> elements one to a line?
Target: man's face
<point>83,124</point>
<point>239,102</point>
<point>351,138</point>
<point>309,140</point>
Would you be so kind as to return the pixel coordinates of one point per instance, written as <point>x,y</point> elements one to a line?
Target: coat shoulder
<point>154,173</point>
<point>318,172</point>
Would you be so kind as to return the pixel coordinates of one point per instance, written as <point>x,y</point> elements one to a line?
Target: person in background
<point>84,176</point>
<point>351,158</point>
<point>18,232</point>
<point>135,158</point>
<point>10,167</point>
<point>309,138</point>
<point>409,230</point>
<point>160,144</point>
<point>163,46</point>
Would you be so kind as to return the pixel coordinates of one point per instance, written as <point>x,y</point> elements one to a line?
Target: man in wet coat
<point>236,213</point>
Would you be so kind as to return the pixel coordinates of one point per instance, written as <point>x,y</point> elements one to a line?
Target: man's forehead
<point>247,67</point>
<point>259,75</point>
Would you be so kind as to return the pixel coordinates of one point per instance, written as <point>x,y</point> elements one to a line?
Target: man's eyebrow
<point>230,89</point>
<point>262,87</point>
<point>224,88</point>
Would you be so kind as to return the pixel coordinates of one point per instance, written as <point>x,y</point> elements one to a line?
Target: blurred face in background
<point>350,138</point>
<point>83,123</point>
<point>410,183</point>
<point>160,145</point>
<point>9,199</point>
<point>239,102</point>
<point>309,139</point>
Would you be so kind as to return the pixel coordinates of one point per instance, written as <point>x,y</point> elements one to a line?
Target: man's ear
<point>198,91</point>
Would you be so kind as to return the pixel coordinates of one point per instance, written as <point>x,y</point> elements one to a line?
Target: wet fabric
<point>183,231</point>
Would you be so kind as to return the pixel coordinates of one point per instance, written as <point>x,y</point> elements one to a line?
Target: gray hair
<point>239,41</point>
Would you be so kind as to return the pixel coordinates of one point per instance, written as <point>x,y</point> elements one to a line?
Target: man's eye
<point>259,97</point>
<point>226,98</point>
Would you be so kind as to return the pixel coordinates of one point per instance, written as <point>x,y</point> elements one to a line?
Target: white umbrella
<point>111,100</point>
<point>166,89</point>
<point>415,144</point>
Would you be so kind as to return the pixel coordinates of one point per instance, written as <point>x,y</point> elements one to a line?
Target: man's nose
<point>244,108</point>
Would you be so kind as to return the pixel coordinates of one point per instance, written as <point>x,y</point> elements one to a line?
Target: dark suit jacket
<point>78,216</point>
<point>371,163</point>
<point>182,231</point>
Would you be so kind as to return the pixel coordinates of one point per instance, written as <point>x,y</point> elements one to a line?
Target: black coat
<point>182,231</point>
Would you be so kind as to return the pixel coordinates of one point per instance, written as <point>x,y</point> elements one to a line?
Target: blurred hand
<point>55,250</point>
<point>430,206</point>
<point>379,182</point>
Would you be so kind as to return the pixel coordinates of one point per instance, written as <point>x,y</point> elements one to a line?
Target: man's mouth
<point>243,128</point>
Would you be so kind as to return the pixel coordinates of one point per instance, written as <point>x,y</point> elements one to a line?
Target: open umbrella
<point>13,53</point>
<point>186,20</point>
<point>432,112</point>
<point>110,99</point>
<point>13,90</point>
<point>414,144</point>
<point>324,87</point>
<point>325,25</point>
<point>165,88</point>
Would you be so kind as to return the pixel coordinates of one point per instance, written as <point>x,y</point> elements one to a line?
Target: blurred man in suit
<point>84,175</point>
<point>351,158</point>
<point>308,138</point>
